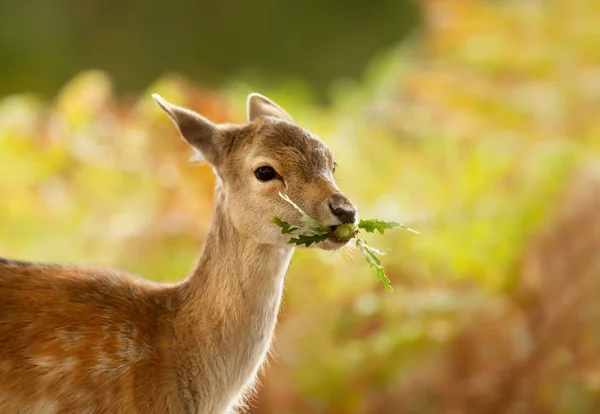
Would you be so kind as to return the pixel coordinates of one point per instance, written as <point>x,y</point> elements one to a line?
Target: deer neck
<point>234,271</point>
<point>229,304</point>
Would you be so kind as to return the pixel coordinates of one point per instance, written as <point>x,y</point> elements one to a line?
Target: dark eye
<point>334,166</point>
<point>265,173</point>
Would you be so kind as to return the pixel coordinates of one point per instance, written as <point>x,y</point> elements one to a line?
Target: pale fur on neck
<point>227,314</point>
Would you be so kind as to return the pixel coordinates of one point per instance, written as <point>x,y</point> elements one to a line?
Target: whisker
<point>348,251</point>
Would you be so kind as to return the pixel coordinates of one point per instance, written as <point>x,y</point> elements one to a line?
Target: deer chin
<point>332,244</point>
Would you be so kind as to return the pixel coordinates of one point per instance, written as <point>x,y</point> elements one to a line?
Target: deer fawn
<point>89,340</point>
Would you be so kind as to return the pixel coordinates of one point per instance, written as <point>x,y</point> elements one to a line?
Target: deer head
<point>257,160</point>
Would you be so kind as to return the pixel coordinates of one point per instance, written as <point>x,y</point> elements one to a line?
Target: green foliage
<point>286,228</point>
<point>313,225</point>
<point>317,233</point>
<point>381,226</point>
<point>370,255</point>
<point>345,232</point>
<point>308,239</point>
<point>371,225</point>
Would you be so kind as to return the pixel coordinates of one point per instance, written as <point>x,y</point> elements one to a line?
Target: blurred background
<point>475,122</point>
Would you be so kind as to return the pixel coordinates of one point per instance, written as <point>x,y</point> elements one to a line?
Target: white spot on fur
<point>68,339</point>
<point>45,362</point>
<point>104,361</point>
<point>68,364</point>
<point>44,406</point>
<point>108,367</point>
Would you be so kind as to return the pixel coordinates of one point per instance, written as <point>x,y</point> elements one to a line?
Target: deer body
<point>87,340</point>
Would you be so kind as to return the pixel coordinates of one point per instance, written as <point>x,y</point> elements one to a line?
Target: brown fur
<point>88,340</point>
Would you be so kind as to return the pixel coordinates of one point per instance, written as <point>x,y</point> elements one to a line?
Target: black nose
<point>345,214</point>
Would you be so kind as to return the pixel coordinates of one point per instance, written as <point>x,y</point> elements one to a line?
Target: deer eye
<point>334,166</point>
<point>265,173</point>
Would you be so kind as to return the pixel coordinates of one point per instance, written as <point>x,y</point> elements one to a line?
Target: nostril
<point>349,217</point>
<point>345,215</point>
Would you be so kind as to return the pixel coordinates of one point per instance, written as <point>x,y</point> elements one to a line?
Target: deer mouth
<point>333,235</point>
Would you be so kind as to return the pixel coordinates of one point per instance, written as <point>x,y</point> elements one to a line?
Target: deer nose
<point>342,209</point>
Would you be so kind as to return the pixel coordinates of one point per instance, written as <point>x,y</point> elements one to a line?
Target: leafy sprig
<point>313,225</point>
<point>315,232</point>
<point>370,255</point>
<point>307,240</point>
<point>286,228</point>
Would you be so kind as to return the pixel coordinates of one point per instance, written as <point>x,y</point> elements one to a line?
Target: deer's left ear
<point>198,131</point>
<point>259,106</point>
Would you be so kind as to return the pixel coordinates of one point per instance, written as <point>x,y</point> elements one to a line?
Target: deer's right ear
<point>198,131</point>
